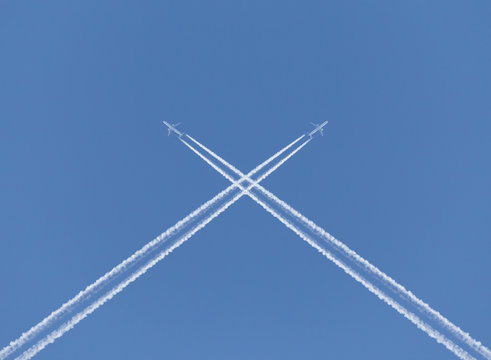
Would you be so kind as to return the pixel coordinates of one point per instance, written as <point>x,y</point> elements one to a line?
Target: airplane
<point>173,128</point>
<point>318,128</point>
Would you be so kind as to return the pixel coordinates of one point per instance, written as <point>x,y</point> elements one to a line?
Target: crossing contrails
<point>342,255</point>
<point>385,288</point>
<point>118,278</point>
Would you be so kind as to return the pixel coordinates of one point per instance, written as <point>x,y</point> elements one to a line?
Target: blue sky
<point>89,175</point>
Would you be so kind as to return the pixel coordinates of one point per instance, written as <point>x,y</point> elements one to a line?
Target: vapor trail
<point>28,354</point>
<point>459,333</point>
<point>50,338</point>
<point>439,337</point>
<point>252,183</point>
<point>89,290</point>
<point>46,322</point>
<point>443,321</point>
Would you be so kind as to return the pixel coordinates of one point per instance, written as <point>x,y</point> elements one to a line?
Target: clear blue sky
<point>89,175</point>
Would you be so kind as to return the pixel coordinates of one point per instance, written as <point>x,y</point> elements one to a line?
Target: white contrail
<point>35,330</point>
<point>439,337</point>
<point>476,345</point>
<point>219,158</point>
<point>50,338</point>
<point>447,324</point>
<point>253,182</point>
<point>48,321</point>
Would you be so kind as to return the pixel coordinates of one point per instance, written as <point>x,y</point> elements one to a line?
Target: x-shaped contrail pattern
<point>88,300</point>
<point>353,256</point>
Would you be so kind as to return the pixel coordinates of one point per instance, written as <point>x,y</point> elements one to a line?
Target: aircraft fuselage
<point>318,128</point>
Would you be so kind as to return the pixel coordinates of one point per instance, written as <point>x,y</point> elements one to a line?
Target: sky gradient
<point>89,174</point>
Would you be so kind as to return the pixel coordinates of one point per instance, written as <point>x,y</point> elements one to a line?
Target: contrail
<point>46,322</point>
<point>443,321</point>
<point>459,333</point>
<point>89,290</point>
<point>439,337</point>
<point>252,183</point>
<point>50,338</point>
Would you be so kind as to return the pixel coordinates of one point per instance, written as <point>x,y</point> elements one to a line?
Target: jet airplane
<point>318,128</point>
<point>173,128</point>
